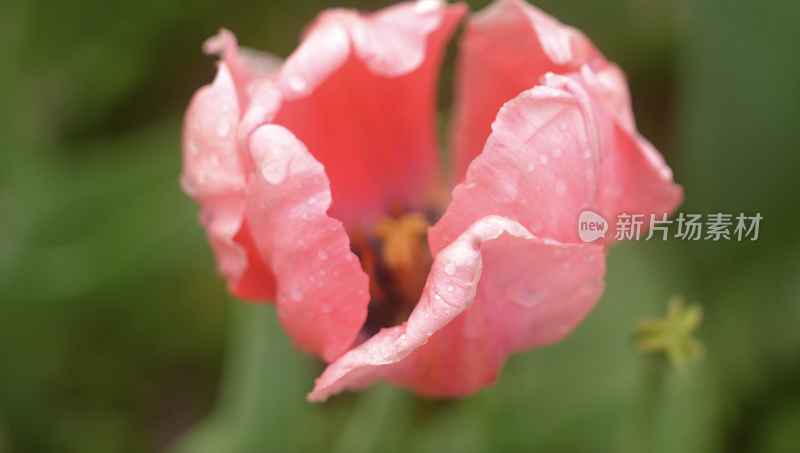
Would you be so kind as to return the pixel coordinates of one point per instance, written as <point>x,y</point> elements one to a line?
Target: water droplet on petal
<point>427,315</point>
<point>311,277</point>
<point>297,83</point>
<point>193,147</point>
<point>322,272</point>
<point>349,257</point>
<point>543,159</point>
<point>223,127</point>
<point>450,288</point>
<point>315,180</point>
<point>536,225</point>
<point>588,257</point>
<point>450,268</point>
<point>322,254</point>
<point>522,295</point>
<point>312,200</point>
<point>215,160</point>
<point>437,296</point>
<point>429,332</point>
<point>530,166</point>
<point>557,153</point>
<point>201,178</point>
<point>297,293</point>
<point>304,216</point>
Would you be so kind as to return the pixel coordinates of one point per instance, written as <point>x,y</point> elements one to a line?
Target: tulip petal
<point>540,167</point>
<point>506,49</point>
<point>635,178</point>
<point>526,291</point>
<point>213,174</point>
<point>369,115</point>
<point>322,290</point>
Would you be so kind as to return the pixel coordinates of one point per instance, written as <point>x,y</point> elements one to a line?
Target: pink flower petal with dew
<point>540,167</point>
<point>246,65</point>
<point>526,292</point>
<point>635,179</point>
<point>322,290</point>
<point>504,50</point>
<point>214,175</point>
<point>360,93</point>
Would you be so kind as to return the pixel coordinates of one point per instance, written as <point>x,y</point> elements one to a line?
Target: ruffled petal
<point>540,166</point>
<point>526,292</point>
<point>635,179</point>
<point>214,175</point>
<point>245,65</point>
<point>369,115</point>
<point>322,290</point>
<point>504,50</point>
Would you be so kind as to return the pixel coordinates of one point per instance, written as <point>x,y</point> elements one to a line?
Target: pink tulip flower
<point>318,178</point>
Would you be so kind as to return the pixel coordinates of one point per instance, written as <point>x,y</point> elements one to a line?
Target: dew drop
<point>429,332</point>
<point>312,200</point>
<point>349,257</point>
<point>536,225</point>
<point>530,166</point>
<point>201,178</point>
<point>322,272</point>
<point>297,293</point>
<point>215,160</point>
<point>427,315</point>
<point>223,127</point>
<point>193,147</point>
<point>403,337</point>
<point>543,159</point>
<point>322,254</point>
<point>450,288</point>
<point>315,180</point>
<point>557,153</point>
<point>297,83</point>
<point>521,294</point>
<point>304,216</point>
<point>588,257</point>
<point>187,182</point>
<point>437,296</point>
<point>450,268</point>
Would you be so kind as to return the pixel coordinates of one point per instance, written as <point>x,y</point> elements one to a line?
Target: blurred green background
<point>117,336</point>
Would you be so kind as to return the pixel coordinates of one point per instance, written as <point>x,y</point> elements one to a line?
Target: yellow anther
<point>403,239</point>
